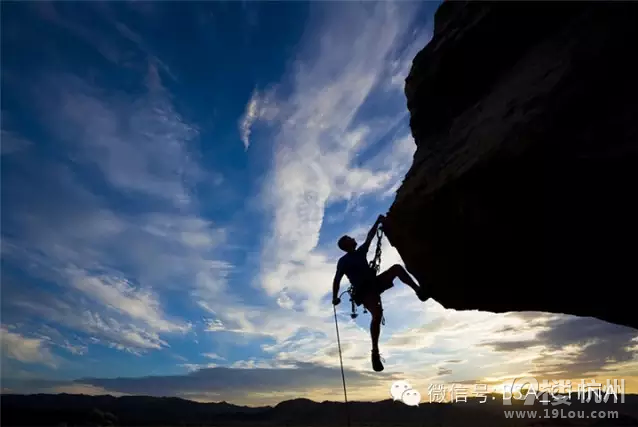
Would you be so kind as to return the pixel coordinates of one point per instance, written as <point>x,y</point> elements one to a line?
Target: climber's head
<point>347,244</point>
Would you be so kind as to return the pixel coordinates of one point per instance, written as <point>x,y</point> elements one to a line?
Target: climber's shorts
<point>377,286</point>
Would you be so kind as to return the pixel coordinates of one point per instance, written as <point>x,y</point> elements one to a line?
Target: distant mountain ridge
<point>82,410</point>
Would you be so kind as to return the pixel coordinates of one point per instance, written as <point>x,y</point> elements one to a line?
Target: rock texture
<point>523,191</point>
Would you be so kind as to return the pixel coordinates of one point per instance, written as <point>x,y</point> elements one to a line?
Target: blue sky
<point>174,179</point>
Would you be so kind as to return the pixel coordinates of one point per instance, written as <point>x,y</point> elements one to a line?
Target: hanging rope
<point>343,377</point>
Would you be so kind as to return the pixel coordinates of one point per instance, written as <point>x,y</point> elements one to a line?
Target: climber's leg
<point>397,271</point>
<point>372,303</point>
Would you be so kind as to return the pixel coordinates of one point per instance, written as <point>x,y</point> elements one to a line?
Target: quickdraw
<point>375,265</point>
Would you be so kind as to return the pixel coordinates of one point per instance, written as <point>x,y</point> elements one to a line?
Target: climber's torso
<point>356,268</point>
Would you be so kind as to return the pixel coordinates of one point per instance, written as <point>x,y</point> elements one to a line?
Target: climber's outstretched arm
<point>366,245</point>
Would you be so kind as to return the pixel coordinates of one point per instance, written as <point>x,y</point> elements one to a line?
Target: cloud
<point>134,37</point>
<point>36,385</point>
<point>109,266</point>
<point>236,384</point>
<point>400,67</point>
<point>259,107</point>
<point>78,347</point>
<point>159,253</point>
<point>109,330</point>
<point>321,132</point>
<point>506,346</point>
<point>120,295</point>
<point>443,371</point>
<point>11,143</point>
<point>180,358</point>
<point>140,144</point>
<point>250,382</point>
<point>578,346</point>
<point>192,367</point>
<point>26,350</point>
<point>213,356</point>
<point>120,47</point>
<point>89,35</point>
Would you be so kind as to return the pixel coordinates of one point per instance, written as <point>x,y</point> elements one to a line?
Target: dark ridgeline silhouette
<point>82,410</point>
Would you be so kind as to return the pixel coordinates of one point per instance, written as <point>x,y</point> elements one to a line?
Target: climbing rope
<point>343,376</point>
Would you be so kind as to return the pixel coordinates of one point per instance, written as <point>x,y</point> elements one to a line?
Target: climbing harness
<point>375,265</point>
<point>343,377</point>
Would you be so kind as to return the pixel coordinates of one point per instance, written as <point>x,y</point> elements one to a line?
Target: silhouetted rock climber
<point>367,286</point>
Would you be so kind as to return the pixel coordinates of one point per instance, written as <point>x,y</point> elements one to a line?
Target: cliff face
<point>523,190</point>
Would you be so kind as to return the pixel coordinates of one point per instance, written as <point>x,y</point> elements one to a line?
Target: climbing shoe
<point>376,361</point>
<point>422,294</point>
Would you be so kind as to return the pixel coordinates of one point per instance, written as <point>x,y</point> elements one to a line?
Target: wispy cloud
<point>574,346</point>
<point>10,142</point>
<point>260,107</point>
<point>140,144</point>
<point>324,130</point>
<point>74,345</point>
<point>111,265</point>
<point>119,295</point>
<point>213,356</point>
<point>119,333</point>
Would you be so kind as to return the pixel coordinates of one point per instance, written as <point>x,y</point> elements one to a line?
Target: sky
<point>174,180</point>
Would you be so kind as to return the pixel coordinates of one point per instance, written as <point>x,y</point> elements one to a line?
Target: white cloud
<point>108,330</point>
<point>78,347</point>
<point>24,349</point>
<point>113,267</point>
<point>213,356</point>
<point>259,107</point>
<point>319,139</point>
<point>120,295</point>
<point>316,148</point>
<point>180,358</point>
<point>141,145</point>
<point>193,367</point>
<point>400,68</point>
<point>213,325</point>
<point>162,251</point>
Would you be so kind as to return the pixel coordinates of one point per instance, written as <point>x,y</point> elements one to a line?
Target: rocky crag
<point>522,195</point>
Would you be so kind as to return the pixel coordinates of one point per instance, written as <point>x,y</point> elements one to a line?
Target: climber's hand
<point>336,301</point>
<point>380,219</point>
